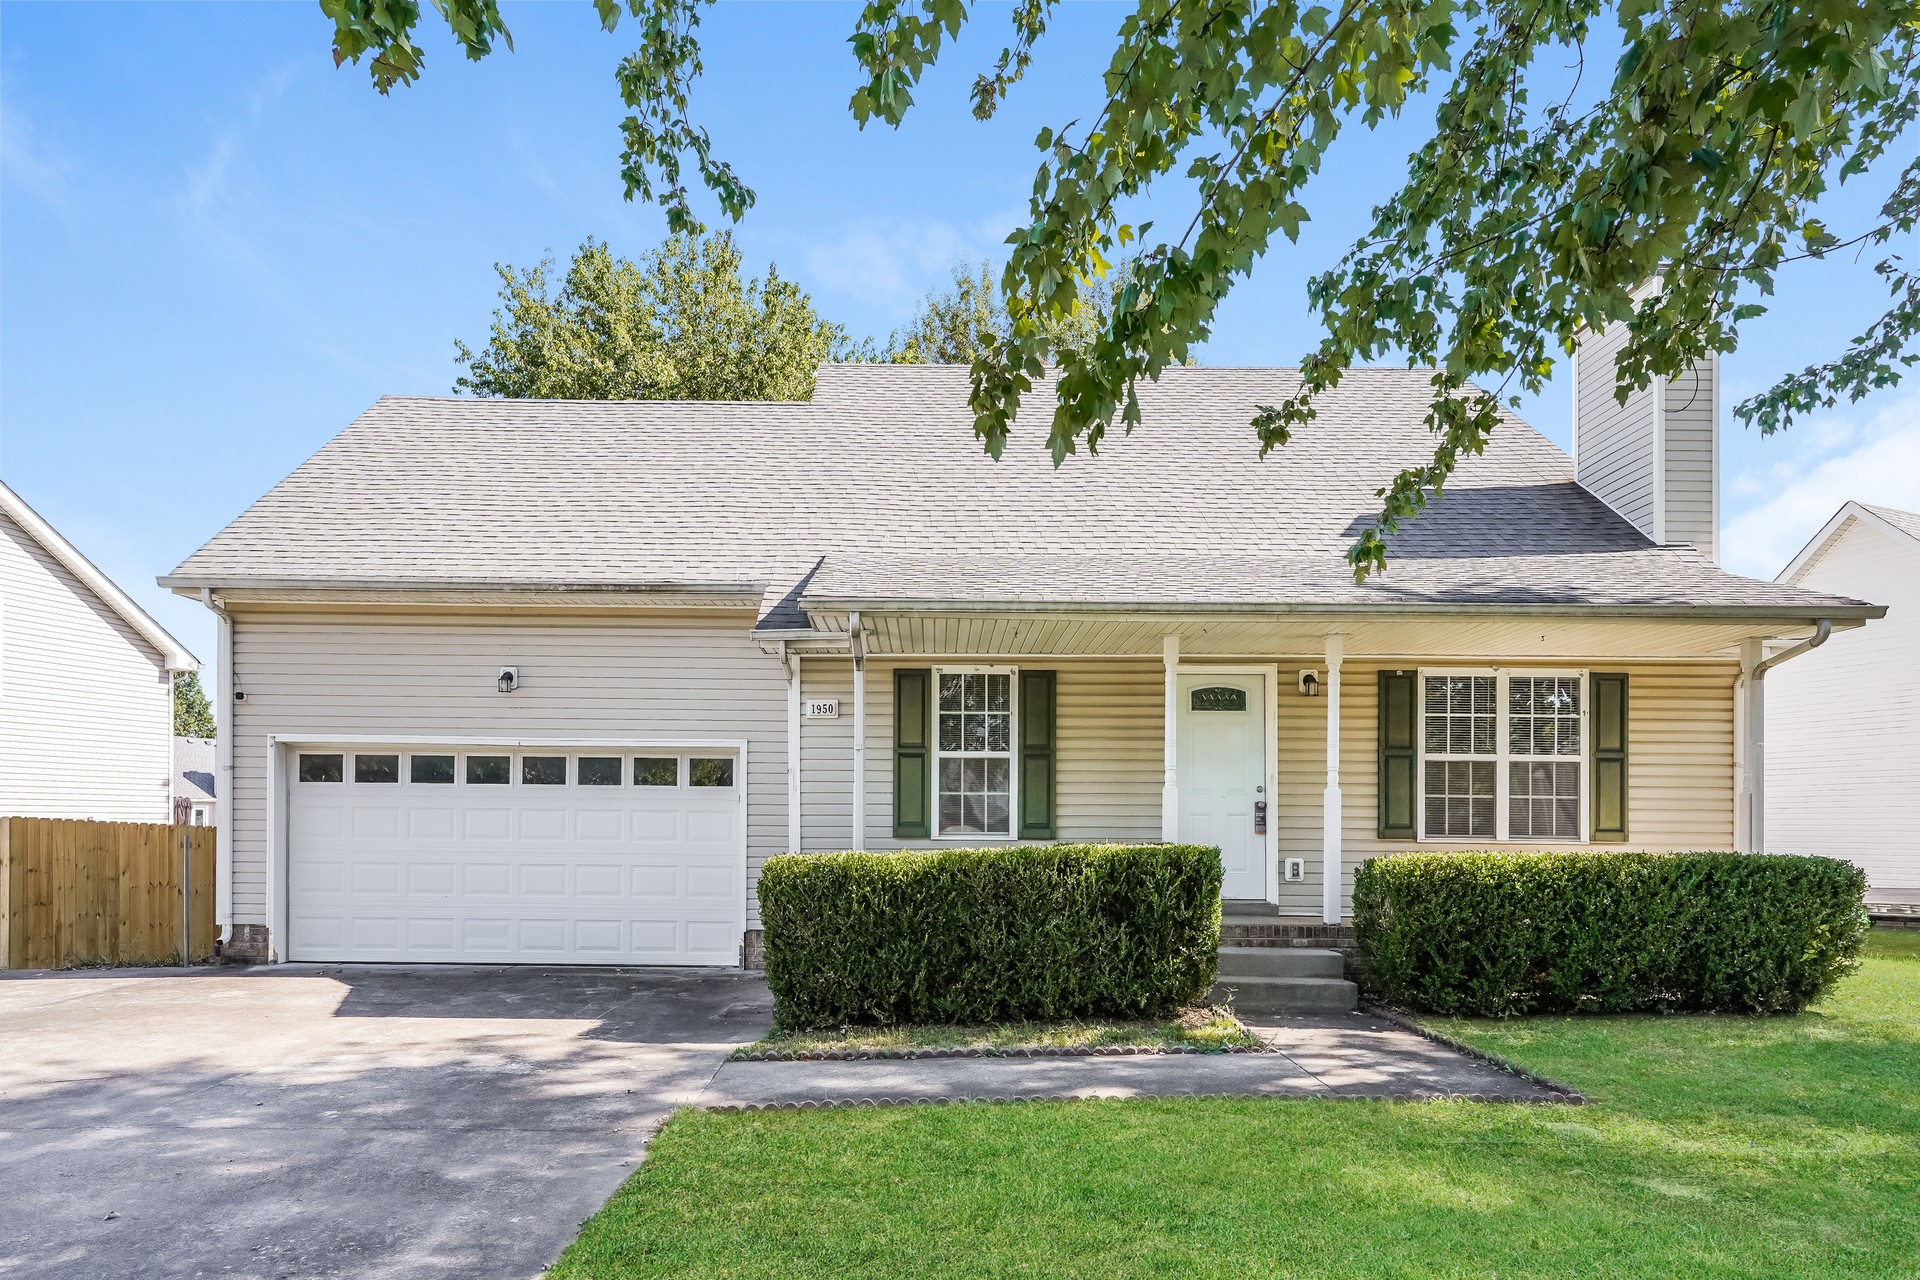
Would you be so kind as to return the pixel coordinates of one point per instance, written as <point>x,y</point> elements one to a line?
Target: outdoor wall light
<point>509,679</point>
<point>1310,683</point>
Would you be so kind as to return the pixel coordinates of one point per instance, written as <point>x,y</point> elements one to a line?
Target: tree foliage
<point>192,713</point>
<point>956,324</point>
<point>1530,213</point>
<point>680,324</point>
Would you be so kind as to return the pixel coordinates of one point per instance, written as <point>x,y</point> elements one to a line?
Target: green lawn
<point>1785,1147</point>
<point>1200,1028</point>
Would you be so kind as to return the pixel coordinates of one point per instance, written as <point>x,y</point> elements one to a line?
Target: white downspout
<point>1757,731</point>
<point>1170,786</point>
<point>1330,805</point>
<point>222,769</point>
<point>791,661</point>
<point>858,644</point>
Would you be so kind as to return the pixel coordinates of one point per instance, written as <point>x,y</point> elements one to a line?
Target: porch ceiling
<point>1396,639</point>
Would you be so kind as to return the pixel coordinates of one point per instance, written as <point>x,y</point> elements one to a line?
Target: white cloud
<point>1866,457</point>
<point>207,180</point>
<point>28,161</point>
<point>890,264</point>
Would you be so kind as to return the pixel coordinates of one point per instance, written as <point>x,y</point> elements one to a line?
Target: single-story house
<point>550,681</point>
<point>196,797</point>
<point>86,684</point>
<point>1843,776</point>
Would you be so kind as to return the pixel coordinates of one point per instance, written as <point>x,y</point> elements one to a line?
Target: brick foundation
<point>247,944</point>
<point>753,949</point>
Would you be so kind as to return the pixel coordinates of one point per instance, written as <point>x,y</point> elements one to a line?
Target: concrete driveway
<point>306,1121</point>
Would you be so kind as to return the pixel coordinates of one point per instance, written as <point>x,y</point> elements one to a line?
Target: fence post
<point>186,896</point>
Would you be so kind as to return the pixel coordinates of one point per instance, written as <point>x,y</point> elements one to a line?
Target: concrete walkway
<point>1351,1055</point>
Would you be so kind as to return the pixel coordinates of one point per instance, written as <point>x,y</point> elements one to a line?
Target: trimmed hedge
<point>1513,933</point>
<point>985,935</point>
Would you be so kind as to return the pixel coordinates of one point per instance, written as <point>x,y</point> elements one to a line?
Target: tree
<point>192,714</point>
<point>680,324</point>
<point>955,325</point>
<point>1533,209</point>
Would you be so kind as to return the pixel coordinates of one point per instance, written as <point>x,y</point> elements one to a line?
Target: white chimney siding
<point>1656,458</point>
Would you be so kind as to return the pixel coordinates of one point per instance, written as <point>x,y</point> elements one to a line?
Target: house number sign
<point>823,708</point>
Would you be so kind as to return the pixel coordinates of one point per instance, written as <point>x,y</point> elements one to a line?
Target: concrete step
<point>1281,962</point>
<point>1254,997</point>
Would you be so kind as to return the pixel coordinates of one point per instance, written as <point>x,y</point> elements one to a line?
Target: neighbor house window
<point>1502,755</point>
<point>973,751</point>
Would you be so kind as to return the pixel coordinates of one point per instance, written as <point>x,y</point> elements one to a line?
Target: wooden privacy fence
<point>74,892</point>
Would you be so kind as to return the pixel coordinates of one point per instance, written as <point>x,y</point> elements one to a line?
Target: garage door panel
<point>557,873</point>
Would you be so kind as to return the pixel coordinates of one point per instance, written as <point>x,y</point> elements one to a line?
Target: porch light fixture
<point>1310,683</point>
<point>509,679</point>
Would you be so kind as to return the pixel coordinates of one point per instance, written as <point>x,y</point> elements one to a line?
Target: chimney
<point>1655,459</point>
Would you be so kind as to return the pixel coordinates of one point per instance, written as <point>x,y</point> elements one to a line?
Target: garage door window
<point>710,772</point>
<point>599,771</point>
<point>489,771</point>
<point>543,771</point>
<point>376,768</point>
<point>656,771</point>
<point>432,769</point>
<point>320,768</point>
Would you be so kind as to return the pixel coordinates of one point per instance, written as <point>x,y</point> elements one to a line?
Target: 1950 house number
<point>823,708</point>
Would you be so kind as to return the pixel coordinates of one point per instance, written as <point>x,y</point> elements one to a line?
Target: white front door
<point>1223,774</point>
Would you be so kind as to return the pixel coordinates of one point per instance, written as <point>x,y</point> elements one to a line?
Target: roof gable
<point>1902,526</point>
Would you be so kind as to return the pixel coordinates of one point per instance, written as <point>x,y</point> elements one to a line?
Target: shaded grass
<point>1717,1147</point>
<point>1194,1028</point>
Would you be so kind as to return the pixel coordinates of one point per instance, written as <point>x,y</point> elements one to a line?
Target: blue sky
<point>216,248</point>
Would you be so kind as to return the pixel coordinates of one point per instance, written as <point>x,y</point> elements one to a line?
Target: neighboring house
<point>550,681</point>
<point>86,684</point>
<point>1843,773</point>
<point>195,797</point>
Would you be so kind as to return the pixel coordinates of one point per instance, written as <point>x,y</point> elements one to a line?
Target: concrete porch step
<point>1257,996</point>
<point>1281,962</point>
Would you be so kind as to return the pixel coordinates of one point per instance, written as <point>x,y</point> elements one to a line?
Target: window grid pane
<point>975,743</point>
<point>1543,800</point>
<point>1462,715</point>
<point>1460,799</point>
<point>1543,715</point>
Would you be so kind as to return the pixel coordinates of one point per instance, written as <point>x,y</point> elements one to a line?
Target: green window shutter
<point>1036,755</point>
<point>912,752</point>
<point>1609,694</point>
<point>1397,755</point>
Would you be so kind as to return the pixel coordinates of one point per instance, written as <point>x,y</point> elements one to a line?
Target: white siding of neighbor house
<point>1110,724</point>
<point>86,713</point>
<point>582,676</point>
<point>1843,721</point>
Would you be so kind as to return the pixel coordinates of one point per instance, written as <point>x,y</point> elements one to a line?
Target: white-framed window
<point>1503,755</point>
<point>973,742</point>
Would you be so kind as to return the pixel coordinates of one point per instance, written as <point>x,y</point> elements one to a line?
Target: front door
<point>1223,774</point>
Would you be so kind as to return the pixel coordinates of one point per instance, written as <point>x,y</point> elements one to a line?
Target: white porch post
<point>792,661</point>
<point>1170,788</point>
<point>859,732</point>
<point>1747,815</point>
<point>1330,798</point>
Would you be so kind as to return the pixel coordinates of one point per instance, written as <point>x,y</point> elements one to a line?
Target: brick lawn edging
<point>1567,1093</point>
<point>1041,1051</point>
<point>1382,1095</point>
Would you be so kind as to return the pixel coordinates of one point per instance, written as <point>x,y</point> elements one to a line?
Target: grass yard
<point>1211,1029</point>
<point>1717,1147</point>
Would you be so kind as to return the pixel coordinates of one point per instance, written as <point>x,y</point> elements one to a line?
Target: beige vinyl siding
<point>395,675</point>
<point>1680,762</point>
<point>86,716</point>
<point>1692,465</point>
<point>1614,455</point>
<point>1843,721</point>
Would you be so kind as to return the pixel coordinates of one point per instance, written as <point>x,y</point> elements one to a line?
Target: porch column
<point>858,645</point>
<point>1170,788</point>
<point>791,660</point>
<point>1748,814</point>
<point>1330,798</point>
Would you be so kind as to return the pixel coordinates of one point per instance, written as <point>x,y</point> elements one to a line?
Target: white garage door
<point>538,856</point>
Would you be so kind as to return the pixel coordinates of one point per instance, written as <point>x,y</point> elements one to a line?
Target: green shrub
<point>1512,933</point>
<point>984,935</point>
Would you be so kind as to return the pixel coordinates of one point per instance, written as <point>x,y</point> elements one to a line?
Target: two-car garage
<point>479,853</point>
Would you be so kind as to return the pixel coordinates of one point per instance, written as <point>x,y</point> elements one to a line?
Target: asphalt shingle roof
<point>878,489</point>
